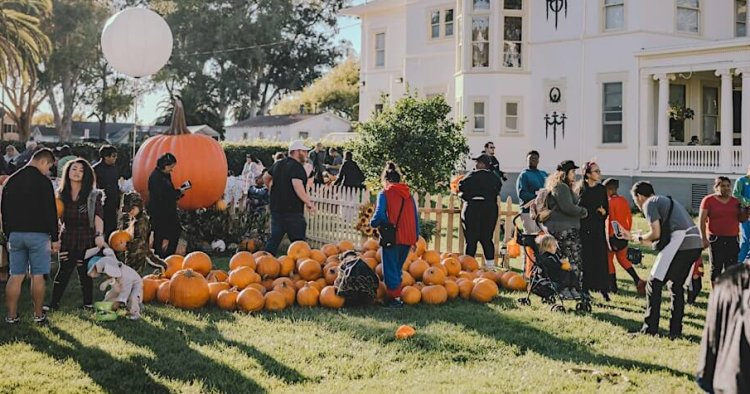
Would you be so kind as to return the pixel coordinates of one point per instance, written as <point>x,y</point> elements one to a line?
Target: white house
<point>288,127</point>
<point>576,79</point>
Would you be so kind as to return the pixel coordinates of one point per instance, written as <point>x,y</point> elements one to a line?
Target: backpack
<point>539,208</point>
<point>356,282</point>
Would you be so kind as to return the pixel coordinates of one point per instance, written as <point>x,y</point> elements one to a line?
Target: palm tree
<point>23,45</point>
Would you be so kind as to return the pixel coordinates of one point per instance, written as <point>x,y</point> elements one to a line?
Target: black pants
<point>293,225</point>
<point>110,219</point>
<point>478,220</point>
<point>169,231</point>
<point>73,261</point>
<point>724,252</point>
<point>675,280</point>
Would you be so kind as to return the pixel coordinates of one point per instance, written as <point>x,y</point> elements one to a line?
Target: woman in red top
<point>720,226</point>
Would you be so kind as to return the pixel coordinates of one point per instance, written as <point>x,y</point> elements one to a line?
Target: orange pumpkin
<point>452,288</point>
<point>371,262</point>
<point>252,300</point>
<point>214,289</point>
<point>318,256</point>
<point>286,264</point>
<point>286,281</point>
<point>433,276</point>
<point>275,301</point>
<point>411,295</point>
<point>298,284</point>
<point>308,296</point>
<point>257,286</point>
<point>317,285</point>
<point>329,298</point>
<point>217,276</point>
<point>406,279</point>
<point>174,264</point>
<point>381,292</point>
<point>484,290</point>
<point>242,259</point>
<point>267,267</point>
<point>345,246</point>
<point>465,286</point>
<point>267,283</point>
<point>198,262</point>
<point>221,205</point>
<point>227,299</point>
<point>288,290</point>
<point>163,293</point>
<point>434,295</point>
<point>299,250</point>
<point>452,266</point>
<point>309,269</point>
<point>249,245</point>
<point>417,269</point>
<point>468,263</point>
<point>431,257</point>
<point>404,332</point>
<point>379,271</point>
<point>514,249</point>
<point>370,244</point>
<point>333,259</point>
<point>150,287</point>
<point>188,290</point>
<point>260,254</point>
<point>330,273</point>
<point>119,239</point>
<point>516,283</point>
<point>330,250</point>
<point>60,206</point>
<point>208,175</point>
<point>454,183</point>
<point>420,247</point>
<point>505,278</point>
<point>242,277</point>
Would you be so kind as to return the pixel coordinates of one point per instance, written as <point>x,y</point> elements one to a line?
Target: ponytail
<point>391,173</point>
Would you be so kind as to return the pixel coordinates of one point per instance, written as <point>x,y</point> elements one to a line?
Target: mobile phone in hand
<point>616,227</point>
<point>186,186</point>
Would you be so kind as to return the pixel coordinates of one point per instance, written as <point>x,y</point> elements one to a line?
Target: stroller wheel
<point>557,308</point>
<point>579,307</point>
<point>587,307</point>
<point>524,301</point>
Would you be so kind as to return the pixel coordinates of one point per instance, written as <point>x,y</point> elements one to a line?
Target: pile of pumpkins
<point>305,276</point>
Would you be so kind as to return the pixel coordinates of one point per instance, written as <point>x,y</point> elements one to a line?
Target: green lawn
<point>459,347</point>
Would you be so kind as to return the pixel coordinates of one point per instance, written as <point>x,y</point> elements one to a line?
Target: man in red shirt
<point>619,211</point>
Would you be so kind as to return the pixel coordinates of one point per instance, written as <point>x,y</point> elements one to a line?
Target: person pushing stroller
<point>557,270</point>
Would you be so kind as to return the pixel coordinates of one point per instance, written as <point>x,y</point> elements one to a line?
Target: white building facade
<point>614,81</point>
<point>288,127</point>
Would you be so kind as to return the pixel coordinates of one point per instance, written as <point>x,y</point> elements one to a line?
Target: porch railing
<point>694,159</point>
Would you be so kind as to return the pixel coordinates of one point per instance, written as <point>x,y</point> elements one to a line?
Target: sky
<point>148,105</point>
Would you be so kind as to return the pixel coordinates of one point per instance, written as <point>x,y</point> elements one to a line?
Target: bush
<point>419,137</point>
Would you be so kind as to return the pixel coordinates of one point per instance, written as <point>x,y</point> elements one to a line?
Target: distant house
<point>117,133</point>
<point>288,127</point>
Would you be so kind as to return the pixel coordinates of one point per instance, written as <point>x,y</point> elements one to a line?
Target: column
<point>726,125</point>
<point>662,128</point>
<point>745,108</point>
<point>645,123</point>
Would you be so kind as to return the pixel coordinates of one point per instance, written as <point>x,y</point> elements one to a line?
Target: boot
<point>613,283</point>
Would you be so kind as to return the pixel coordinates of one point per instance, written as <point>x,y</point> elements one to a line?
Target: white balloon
<point>137,42</point>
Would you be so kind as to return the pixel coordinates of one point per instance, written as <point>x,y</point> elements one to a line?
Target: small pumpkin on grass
<point>308,296</point>
<point>404,332</point>
<point>227,299</point>
<point>251,300</point>
<point>188,290</point>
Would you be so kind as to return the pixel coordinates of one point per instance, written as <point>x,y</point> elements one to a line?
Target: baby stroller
<point>538,282</point>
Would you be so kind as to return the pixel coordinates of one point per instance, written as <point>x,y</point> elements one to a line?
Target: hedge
<point>235,152</point>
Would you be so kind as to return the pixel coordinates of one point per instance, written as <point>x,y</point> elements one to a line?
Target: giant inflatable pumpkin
<point>200,160</point>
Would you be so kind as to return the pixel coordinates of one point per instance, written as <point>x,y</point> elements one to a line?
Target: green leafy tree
<point>23,44</point>
<point>419,136</point>
<point>106,94</point>
<point>337,91</point>
<point>199,108</point>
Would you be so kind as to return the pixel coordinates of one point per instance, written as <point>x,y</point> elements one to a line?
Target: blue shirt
<point>527,184</point>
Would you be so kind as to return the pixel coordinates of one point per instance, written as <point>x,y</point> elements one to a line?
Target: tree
<point>109,98</point>
<point>23,95</point>
<point>418,135</point>
<point>74,29</point>
<point>250,52</point>
<point>198,109</point>
<point>337,91</point>
<point>23,44</point>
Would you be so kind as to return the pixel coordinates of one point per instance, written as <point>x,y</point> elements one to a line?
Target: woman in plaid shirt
<point>82,228</point>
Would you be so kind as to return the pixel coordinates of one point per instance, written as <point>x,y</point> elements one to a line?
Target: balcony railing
<point>694,159</point>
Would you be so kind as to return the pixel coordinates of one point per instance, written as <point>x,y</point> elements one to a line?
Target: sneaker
<point>641,287</point>
<point>88,308</point>
<point>40,319</point>
<point>50,308</point>
<point>394,303</point>
<point>12,320</point>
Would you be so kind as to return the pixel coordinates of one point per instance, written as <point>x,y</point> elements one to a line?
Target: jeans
<point>393,262</point>
<point>724,251</point>
<point>291,224</point>
<point>73,261</point>
<point>675,280</point>
<point>29,252</point>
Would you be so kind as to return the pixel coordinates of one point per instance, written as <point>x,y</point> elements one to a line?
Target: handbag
<point>387,231</point>
<point>635,256</point>
<point>617,244</point>
<point>666,229</point>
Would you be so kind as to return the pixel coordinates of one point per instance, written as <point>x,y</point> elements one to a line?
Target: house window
<point>441,27</point>
<point>614,14</point>
<point>612,113</point>
<point>710,114</point>
<point>244,136</point>
<point>512,116</point>
<point>740,18</point>
<point>479,117</point>
<point>512,40</point>
<point>688,16</point>
<point>378,109</point>
<point>481,5</point>
<point>480,41</point>
<point>303,135</point>
<point>380,50</point>
<point>677,98</point>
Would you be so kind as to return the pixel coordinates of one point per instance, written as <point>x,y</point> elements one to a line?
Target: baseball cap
<point>567,165</point>
<point>297,145</point>
<point>484,159</point>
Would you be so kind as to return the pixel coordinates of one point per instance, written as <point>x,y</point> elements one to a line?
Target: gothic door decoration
<point>556,7</point>
<point>555,108</point>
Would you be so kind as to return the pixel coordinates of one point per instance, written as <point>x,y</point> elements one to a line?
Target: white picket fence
<point>338,208</point>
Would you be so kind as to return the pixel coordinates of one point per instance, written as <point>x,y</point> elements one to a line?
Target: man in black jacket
<point>479,190</point>
<point>350,175</point>
<point>29,217</point>
<point>107,178</point>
